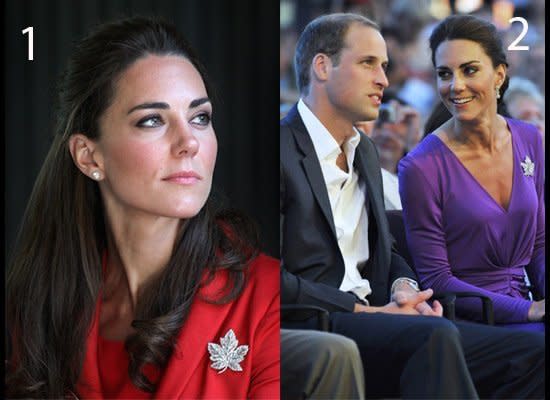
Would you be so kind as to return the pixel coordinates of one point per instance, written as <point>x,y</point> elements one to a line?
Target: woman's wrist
<point>536,311</point>
<point>531,312</point>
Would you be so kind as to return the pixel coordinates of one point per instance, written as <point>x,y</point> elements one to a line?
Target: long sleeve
<point>422,201</point>
<point>297,290</point>
<point>536,267</point>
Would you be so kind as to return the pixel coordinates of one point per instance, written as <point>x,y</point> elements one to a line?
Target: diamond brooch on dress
<point>228,355</point>
<point>528,166</point>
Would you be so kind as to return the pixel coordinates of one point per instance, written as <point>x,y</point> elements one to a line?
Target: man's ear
<point>321,66</point>
<point>86,156</point>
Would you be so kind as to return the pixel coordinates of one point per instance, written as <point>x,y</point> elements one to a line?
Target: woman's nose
<point>185,144</point>
<point>457,84</point>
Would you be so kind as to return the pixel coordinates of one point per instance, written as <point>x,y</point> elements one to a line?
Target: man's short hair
<point>325,34</point>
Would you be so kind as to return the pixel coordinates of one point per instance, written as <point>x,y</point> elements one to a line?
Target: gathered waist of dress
<point>510,281</point>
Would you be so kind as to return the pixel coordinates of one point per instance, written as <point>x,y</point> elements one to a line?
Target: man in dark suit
<point>336,245</point>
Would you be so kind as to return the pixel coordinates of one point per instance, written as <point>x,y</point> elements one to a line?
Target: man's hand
<point>408,303</point>
<point>417,300</point>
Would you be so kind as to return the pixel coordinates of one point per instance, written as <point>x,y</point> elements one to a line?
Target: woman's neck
<point>485,135</point>
<point>138,250</point>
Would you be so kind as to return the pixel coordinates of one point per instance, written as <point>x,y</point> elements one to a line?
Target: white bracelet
<point>411,282</point>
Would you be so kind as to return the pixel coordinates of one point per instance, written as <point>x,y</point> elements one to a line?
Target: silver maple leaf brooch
<point>228,355</point>
<point>528,166</point>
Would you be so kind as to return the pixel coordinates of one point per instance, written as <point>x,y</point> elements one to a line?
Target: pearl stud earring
<point>96,175</point>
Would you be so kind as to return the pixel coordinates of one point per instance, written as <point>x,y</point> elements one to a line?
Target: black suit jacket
<point>312,267</point>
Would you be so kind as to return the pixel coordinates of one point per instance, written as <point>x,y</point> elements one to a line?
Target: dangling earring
<point>96,175</point>
<point>497,92</point>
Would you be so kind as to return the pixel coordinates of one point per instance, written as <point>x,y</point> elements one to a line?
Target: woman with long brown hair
<point>127,280</point>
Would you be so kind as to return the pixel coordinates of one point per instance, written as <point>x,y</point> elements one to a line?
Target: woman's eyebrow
<point>460,66</point>
<point>166,106</point>
<point>161,105</point>
<point>198,102</point>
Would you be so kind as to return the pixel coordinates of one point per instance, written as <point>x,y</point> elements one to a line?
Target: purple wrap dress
<point>461,239</point>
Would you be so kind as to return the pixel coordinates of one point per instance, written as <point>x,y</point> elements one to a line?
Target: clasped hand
<point>413,303</point>
<point>407,302</point>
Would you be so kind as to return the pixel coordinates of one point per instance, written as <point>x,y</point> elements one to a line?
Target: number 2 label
<point>513,45</point>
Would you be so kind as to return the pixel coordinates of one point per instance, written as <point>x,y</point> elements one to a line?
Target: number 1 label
<point>29,30</point>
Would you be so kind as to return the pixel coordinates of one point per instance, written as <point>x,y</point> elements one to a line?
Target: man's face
<point>355,85</point>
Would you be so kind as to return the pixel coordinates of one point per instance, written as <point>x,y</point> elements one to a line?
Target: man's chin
<point>369,115</point>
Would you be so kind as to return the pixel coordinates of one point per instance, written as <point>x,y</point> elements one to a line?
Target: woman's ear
<point>501,74</point>
<point>86,156</point>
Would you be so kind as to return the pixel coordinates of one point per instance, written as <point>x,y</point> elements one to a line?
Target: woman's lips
<point>460,101</point>
<point>183,178</point>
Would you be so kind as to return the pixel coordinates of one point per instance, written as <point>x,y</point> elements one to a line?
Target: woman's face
<point>466,79</point>
<point>157,146</point>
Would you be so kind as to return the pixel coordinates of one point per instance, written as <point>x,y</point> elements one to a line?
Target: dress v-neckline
<point>479,185</point>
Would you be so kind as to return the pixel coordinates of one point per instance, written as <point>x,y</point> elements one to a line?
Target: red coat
<point>254,319</point>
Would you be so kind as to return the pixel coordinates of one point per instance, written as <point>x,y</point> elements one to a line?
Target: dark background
<point>236,40</point>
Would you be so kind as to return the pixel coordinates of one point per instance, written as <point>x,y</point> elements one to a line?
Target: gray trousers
<point>320,365</point>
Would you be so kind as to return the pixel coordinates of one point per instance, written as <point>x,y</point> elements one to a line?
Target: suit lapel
<point>312,166</point>
<point>366,168</point>
<point>366,162</point>
<point>317,182</point>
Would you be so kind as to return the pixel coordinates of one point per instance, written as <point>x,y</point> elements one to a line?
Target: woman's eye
<point>443,74</point>
<point>201,119</point>
<point>152,121</point>
<point>470,70</point>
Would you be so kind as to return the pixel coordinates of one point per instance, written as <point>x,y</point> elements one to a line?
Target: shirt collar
<point>324,143</point>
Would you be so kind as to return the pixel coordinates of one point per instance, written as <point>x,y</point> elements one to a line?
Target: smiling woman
<point>136,274</point>
<point>473,191</point>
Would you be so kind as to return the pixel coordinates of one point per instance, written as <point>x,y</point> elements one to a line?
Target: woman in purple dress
<point>473,190</point>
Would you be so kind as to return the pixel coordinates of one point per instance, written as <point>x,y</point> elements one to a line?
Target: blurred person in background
<point>408,25</point>
<point>396,131</point>
<point>528,64</point>
<point>524,101</point>
<point>365,126</point>
<point>287,86</point>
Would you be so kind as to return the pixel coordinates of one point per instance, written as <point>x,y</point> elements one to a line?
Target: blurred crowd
<point>411,98</point>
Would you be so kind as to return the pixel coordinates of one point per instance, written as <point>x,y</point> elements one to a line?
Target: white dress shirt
<point>392,200</point>
<point>347,196</point>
